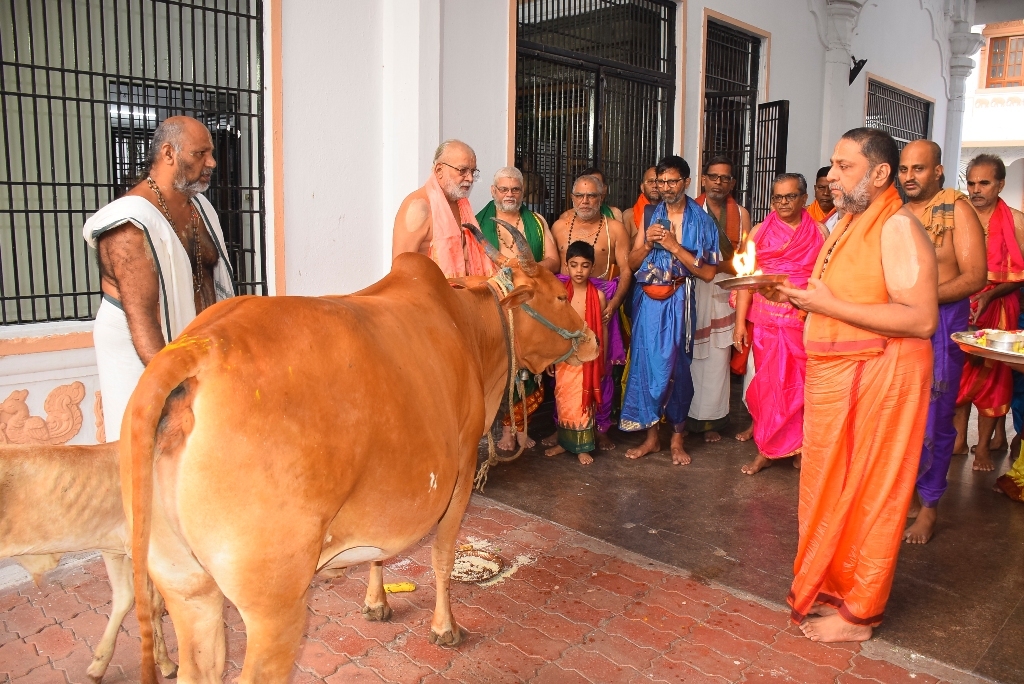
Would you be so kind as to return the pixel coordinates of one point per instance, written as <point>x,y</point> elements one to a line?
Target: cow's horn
<point>492,252</point>
<point>522,248</point>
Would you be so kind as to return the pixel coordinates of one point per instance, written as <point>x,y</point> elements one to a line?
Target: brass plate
<point>969,343</point>
<point>752,282</point>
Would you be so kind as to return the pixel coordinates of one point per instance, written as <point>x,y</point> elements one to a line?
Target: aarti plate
<point>972,344</point>
<point>751,282</point>
<point>476,565</point>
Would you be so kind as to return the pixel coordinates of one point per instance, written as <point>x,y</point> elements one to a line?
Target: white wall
<point>332,96</point>
<point>369,90</point>
<point>896,38</point>
<point>1013,191</point>
<point>474,84</point>
<point>796,67</point>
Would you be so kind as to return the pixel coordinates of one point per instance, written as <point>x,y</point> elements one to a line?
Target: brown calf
<point>65,499</point>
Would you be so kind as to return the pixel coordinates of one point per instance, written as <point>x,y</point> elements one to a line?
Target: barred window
<point>904,116</point>
<point>82,88</point>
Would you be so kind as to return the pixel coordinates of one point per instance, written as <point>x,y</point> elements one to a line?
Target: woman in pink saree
<point>787,242</point>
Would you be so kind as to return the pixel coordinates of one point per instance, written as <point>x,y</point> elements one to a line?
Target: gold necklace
<point>197,249</point>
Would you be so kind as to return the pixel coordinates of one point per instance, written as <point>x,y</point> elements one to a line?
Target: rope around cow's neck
<point>503,283</point>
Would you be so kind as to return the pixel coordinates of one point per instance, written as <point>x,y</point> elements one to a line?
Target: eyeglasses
<point>586,195</point>
<point>718,177</point>
<point>506,191</point>
<point>669,182</point>
<point>464,170</point>
<point>785,199</point>
<point>652,181</point>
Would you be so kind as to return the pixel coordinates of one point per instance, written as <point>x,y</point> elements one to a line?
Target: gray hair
<point>169,132</point>
<point>798,177</point>
<point>443,147</point>
<point>508,172</point>
<point>592,179</point>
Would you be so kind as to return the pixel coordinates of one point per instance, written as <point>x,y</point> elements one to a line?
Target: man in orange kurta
<point>873,305</point>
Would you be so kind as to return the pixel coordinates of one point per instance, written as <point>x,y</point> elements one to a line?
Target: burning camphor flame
<point>745,262</point>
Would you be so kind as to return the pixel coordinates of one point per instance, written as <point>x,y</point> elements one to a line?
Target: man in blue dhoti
<point>678,243</point>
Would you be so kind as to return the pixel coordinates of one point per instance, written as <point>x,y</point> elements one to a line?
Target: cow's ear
<point>520,295</point>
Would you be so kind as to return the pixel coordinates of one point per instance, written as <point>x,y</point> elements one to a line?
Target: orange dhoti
<point>864,423</point>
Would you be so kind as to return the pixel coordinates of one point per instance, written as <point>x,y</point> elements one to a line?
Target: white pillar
<point>840,22</point>
<point>962,44</point>
<point>412,102</point>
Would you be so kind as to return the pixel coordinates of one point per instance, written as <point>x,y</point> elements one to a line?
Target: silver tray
<point>970,344</point>
<point>751,282</point>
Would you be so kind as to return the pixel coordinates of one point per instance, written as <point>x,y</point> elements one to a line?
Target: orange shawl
<point>638,211</point>
<point>592,370</point>
<point>452,247</point>
<point>814,209</point>
<point>856,248</point>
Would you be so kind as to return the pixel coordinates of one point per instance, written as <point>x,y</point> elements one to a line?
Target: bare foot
<point>585,458</point>
<point>712,436</point>
<point>554,451</point>
<point>679,455</point>
<point>915,506</point>
<point>651,445</point>
<point>746,435</point>
<point>525,440</point>
<point>960,447</point>
<point>508,440</point>
<point>982,461</point>
<point>923,528</point>
<point>797,461</point>
<point>1015,446</point>
<point>833,629</point>
<point>998,442</point>
<point>823,609</point>
<point>757,465</point>
<point>603,443</point>
<point>550,440</point>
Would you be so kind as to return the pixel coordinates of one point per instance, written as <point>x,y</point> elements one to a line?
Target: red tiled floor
<point>575,611</point>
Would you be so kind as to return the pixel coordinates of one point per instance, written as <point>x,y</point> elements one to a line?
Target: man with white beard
<point>507,206</point>
<point>429,221</point>
<point>162,260</point>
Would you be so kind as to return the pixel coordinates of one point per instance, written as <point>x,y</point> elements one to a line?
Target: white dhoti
<point>117,361</point>
<point>712,349</point>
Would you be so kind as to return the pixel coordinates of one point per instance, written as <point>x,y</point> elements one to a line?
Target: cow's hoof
<point>172,674</point>
<point>449,638</point>
<point>381,613</point>
<point>95,672</point>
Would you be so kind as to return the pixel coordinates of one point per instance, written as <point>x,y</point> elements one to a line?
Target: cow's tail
<point>170,368</point>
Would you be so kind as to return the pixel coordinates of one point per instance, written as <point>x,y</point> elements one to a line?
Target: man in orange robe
<point>649,194</point>
<point>823,209</point>
<point>873,305</point>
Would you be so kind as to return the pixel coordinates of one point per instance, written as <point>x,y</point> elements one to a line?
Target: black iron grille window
<point>770,158</point>
<point>83,85</point>
<point>903,116</point>
<point>595,86</point>
<point>730,101</point>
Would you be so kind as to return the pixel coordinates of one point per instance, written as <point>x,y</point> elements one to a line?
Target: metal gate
<point>730,98</point>
<point>904,116</point>
<point>83,85</point>
<point>770,159</point>
<point>595,85</point>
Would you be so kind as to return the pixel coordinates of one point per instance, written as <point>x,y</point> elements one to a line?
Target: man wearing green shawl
<point>507,205</point>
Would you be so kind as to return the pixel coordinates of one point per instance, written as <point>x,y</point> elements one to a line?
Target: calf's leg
<point>375,607</point>
<point>168,668</point>
<point>119,572</point>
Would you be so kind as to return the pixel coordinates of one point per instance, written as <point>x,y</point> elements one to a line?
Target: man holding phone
<point>678,243</point>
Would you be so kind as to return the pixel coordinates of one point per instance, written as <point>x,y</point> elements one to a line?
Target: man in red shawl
<point>787,243</point>
<point>985,383</point>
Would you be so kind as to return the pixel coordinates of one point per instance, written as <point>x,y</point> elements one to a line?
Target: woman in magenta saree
<point>776,394</point>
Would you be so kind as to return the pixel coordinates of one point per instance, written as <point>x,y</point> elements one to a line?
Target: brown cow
<point>282,435</point>
<point>66,499</point>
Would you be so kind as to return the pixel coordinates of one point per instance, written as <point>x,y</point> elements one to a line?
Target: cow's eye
<point>563,298</point>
